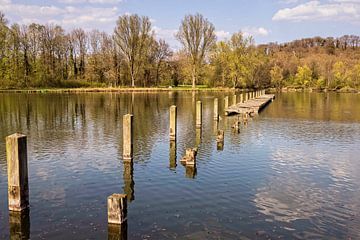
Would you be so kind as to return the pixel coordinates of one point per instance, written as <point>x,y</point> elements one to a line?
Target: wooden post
<point>245,97</point>
<point>173,122</point>
<point>117,208</point>
<point>216,109</point>
<point>234,99</point>
<point>198,114</point>
<point>226,103</point>
<point>128,137</point>
<point>18,186</point>
<point>241,98</point>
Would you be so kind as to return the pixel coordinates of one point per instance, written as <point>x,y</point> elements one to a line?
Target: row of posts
<point>17,164</point>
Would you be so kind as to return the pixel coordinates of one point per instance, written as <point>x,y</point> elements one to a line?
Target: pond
<point>293,172</point>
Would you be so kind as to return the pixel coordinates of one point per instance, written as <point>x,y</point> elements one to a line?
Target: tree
<point>133,36</point>
<point>197,35</point>
<point>277,77</point>
<point>303,76</point>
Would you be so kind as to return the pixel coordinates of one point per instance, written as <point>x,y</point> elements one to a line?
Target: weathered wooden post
<point>245,97</point>
<point>216,109</point>
<point>234,99</point>
<point>173,122</point>
<point>18,185</point>
<point>226,103</point>
<point>198,114</point>
<point>128,137</point>
<point>241,98</point>
<point>249,97</point>
<point>117,208</point>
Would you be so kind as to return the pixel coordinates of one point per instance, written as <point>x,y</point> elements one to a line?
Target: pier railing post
<point>198,114</point>
<point>17,167</point>
<point>216,109</point>
<point>128,137</point>
<point>117,208</point>
<point>173,122</point>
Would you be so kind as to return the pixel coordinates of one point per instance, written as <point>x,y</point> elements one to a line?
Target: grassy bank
<point>113,89</point>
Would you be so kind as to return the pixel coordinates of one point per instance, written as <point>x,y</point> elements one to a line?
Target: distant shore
<point>165,89</point>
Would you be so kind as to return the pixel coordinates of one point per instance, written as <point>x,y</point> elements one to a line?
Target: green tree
<point>197,35</point>
<point>133,36</point>
<point>303,76</point>
<point>277,78</point>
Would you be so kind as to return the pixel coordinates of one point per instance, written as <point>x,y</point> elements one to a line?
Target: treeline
<point>37,55</point>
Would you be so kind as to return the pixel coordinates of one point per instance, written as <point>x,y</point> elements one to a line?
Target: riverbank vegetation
<point>46,56</point>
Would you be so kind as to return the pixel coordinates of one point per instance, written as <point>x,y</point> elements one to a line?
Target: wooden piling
<point>128,137</point>
<point>245,97</point>
<point>117,208</point>
<point>234,99</point>
<point>173,123</point>
<point>226,102</point>
<point>19,224</point>
<point>241,98</point>
<point>198,114</point>
<point>18,186</point>
<point>216,109</point>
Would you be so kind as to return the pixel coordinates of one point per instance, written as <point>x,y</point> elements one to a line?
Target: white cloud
<point>90,1</point>
<point>166,34</point>
<point>340,10</point>
<point>255,31</point>
<point>222,35</point>
<point>69,17</point>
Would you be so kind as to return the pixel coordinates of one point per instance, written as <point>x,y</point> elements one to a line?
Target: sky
<point>266,20</point>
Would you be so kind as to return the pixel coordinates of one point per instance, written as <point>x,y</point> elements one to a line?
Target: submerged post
<point>18,186</point>
<point>198,114</point>
<point>216,109</point>
<point>173,122</point>
<point>128,137</point>
<point>117,208</point>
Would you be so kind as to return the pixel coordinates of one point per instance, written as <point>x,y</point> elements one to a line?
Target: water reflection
<point>19,225</point>
<point>191,171</point>
<point>118,231</point>
<point>173,155</point>
<point>129,183</point>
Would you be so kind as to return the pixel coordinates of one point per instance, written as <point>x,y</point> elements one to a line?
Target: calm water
<point>292,173</point>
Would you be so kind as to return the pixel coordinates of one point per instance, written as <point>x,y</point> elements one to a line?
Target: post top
<point>117,196</point>
<point>173,106</point>
<point>128,115</point>
<point>16,135</point>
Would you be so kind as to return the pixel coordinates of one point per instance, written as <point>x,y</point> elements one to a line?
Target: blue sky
<point>266,20</point>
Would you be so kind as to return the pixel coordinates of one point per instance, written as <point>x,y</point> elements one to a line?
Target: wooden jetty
<point>251,106</point>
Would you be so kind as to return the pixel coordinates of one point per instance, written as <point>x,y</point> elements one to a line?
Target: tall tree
<point>133,36</point>
<point>197,35</point>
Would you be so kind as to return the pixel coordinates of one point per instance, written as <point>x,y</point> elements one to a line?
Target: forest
<point>38,56</point>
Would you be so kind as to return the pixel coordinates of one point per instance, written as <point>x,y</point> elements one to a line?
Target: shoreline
<point>165,89</point>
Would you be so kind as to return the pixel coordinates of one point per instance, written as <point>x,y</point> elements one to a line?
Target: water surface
<point>291,172</point>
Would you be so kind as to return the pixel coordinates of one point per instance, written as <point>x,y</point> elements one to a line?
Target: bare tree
<point>132,36</point>
<point>197,35</point>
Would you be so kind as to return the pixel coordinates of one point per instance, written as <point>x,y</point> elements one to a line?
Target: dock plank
<point>252,106</point>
